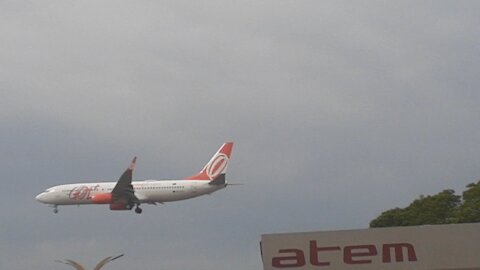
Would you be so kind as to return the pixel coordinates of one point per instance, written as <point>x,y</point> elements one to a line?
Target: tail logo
<point>217,166</point>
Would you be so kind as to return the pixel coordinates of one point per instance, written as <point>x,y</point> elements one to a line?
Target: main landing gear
<point>55,209</point>
<point>138,210</point>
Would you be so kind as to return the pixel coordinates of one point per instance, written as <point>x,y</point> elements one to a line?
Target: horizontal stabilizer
<point>219,181</point>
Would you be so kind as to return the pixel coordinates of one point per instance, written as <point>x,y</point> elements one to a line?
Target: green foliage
<point>469,211</point>
<point>442,208</point>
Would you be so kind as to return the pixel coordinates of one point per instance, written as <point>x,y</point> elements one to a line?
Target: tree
<point>391,218</point>
<point>442,208</point>
<point>469,211</point>
<point>437,209</point>
<point>78,266</point>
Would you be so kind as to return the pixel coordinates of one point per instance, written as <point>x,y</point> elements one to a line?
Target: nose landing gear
<point>55,209</point>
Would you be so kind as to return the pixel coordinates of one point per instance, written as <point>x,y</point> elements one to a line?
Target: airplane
<point>126,194</point>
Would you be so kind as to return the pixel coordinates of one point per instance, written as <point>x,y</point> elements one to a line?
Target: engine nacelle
<point>102,198</point>
<point>119,206</point>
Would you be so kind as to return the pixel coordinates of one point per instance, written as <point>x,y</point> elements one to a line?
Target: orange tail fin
<point>217,165</point>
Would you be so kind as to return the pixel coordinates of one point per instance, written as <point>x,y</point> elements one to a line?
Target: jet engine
<point>102,198</point>
<point>119,206</point>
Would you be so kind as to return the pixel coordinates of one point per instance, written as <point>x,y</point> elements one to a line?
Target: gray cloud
<point>339,111</point>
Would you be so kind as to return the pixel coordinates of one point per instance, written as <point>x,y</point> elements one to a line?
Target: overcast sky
<point>339,110</point>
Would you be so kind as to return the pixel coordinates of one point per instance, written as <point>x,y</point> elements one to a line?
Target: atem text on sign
<point>348,254</point>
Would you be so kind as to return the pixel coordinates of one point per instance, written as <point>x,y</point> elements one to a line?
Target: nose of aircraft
<point>40,197</point>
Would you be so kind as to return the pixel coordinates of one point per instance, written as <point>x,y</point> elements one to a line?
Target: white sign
<point>436,247</point>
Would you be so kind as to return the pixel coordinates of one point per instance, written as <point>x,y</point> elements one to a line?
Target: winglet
<point>132,165</point>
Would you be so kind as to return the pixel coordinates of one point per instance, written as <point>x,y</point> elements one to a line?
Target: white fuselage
<point>147,191</point>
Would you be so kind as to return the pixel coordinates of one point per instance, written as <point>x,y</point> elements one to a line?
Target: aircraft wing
<point>123,190</point>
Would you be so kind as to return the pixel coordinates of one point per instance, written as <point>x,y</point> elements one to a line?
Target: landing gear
<point>130,206</point>
<point>138,210</point>
<point>55,209</point>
